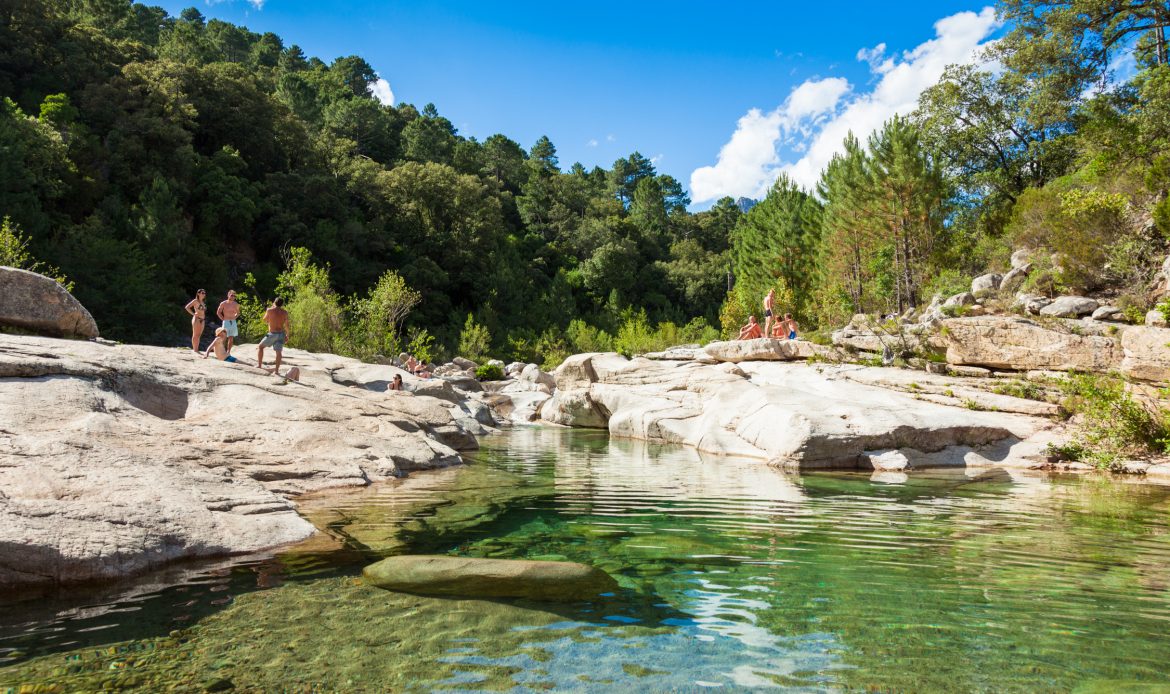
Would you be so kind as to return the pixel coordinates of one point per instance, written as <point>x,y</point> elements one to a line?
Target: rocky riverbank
<point>115,459</point>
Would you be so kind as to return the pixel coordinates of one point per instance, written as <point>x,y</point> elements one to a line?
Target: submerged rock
<point>489,578</point>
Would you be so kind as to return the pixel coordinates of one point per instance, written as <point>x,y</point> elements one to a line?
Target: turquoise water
<point>734,576</point>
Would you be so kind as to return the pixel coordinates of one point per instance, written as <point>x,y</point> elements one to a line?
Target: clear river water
<point>734,576</point>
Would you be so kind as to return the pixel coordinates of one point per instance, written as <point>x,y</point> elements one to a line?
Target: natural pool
<point>734,575</point>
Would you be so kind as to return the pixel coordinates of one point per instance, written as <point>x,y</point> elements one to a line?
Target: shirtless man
<point>220,345</point>
<point>750,331</point>
<point>277,320</point>
<point>769,304</point>
<point>229,312</point>
<point>790,326</point>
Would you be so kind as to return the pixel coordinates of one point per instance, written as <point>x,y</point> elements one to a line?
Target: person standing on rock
<point>750,331</point>
<point>197,307</point>
<point>769,304</point>
<point>277,319</point>
<point>229,313</point>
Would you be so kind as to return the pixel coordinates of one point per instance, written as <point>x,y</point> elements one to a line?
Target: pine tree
<point>778,241</point>
<point>907,193</point>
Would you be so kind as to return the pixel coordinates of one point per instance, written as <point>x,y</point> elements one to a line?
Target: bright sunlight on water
<point>733,575</point>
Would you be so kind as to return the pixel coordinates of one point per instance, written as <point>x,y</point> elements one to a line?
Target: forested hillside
<point>145,156</point>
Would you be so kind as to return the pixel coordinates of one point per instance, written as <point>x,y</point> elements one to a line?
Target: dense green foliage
<point>149,155</point>
<point>1115,424</point>
<point>1036,147</point>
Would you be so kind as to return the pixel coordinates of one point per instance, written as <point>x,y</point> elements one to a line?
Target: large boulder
<point>574,408</point>
<point>489,578</point>
<point>533,374</point>
<point>791,414</point>
<point>1109,313</point>
<point>1147,357</point>
<point>39,304</point>
<point>1005,342</point>
<point>985,284</point>
<point>116,459</point>
<point>1014,279</point>
<point>759,349</point>
<point>1070,307</point>
<point>960,299</point>
<point>1022,257</point>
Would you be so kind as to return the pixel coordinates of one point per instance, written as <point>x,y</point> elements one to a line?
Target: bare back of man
<point>277,319</point>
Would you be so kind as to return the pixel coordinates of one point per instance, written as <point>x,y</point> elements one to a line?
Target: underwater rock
<point>489,578</point>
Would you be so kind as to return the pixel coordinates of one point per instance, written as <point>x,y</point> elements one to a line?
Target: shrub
<point>1114,424</point>
<point>377,319</point>
<point>489,372</point>
<point>946,283</point>
<point>732,316</point>
<point>552,349</point>
<point>421,344</point>
<point>475,340</point>
<point>1071,223</point>
<point>14,253</point>
<point>583,337</point>
<point>1020,389</point>
<point>635,336</point>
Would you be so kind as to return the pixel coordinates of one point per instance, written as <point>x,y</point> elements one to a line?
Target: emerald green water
<point>734,575</point>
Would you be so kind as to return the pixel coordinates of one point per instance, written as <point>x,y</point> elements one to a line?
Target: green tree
<point>313,307</point>
<point>906,199</point>
<point>474,341</point>
<point>779,239</point>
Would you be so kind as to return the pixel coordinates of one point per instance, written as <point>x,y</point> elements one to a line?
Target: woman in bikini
<point>197,307</point>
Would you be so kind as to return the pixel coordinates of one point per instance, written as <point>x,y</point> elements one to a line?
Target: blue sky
<point>721,96</point>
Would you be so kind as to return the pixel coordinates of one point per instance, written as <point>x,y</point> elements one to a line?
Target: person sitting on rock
<point>417,368</point>
<point>219,344</point>
<point>396,384</point>
<point>789,325</point>
<point>779,329</point>
<point>750,331</point>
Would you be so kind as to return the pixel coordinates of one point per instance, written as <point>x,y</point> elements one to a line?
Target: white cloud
<point>592,143</point>
<point>747,163</point>
<point>382,91</point>
<point>610,138</point>
<point>819,113</point>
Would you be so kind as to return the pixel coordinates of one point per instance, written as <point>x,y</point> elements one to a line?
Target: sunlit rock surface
<point>796,415</point>
<point>118,458</point>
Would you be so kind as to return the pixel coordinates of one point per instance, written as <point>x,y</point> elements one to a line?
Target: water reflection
<point>732,574</point>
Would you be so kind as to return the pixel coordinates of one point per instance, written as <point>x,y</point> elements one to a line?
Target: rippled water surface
<point>734,576</point>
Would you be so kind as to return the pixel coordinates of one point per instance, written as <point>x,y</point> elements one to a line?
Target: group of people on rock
<point>775,327</point>
<point>228,313</point>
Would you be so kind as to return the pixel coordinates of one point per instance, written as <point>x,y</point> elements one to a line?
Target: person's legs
<point>196,333</point>
<point>260,355</point>
<point>279,352</point>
